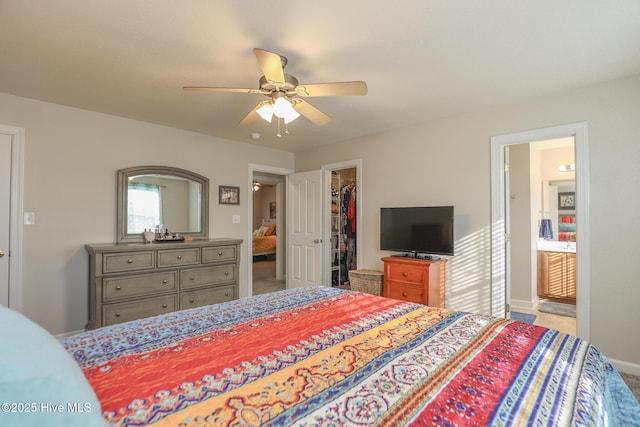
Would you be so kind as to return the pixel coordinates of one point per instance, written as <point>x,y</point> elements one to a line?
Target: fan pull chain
<point>279,135</point>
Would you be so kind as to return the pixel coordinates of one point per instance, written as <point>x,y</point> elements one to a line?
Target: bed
<point>323,356</point>
<point>264,240</point>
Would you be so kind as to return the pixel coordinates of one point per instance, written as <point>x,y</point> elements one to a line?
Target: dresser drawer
<point>406,273</point>
<point>220,253</point>
<point>125,311</point>
<point>114,288</point>
<point>128,261</point>
<point>197,277</point>
<point>177,257</point>
<point>407,293</point>
<point>207,296</point>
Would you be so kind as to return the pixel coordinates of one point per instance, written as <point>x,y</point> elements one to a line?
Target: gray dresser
<point>132,281</point>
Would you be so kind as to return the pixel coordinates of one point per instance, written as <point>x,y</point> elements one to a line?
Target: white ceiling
<point>422,60</point>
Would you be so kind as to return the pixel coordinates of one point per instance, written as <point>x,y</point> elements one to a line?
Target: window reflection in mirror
<point>158,197</point>
<point>165,202</point>
<point>144,207</point>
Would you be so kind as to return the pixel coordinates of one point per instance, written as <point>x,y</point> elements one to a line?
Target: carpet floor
<point>264,277</point>
<point>523,317</point>
<point>633,381</point>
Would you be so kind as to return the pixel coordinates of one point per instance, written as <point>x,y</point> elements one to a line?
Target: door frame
<point>16,226</point>
<point>280,217</point>
<point>499,246</point>
<point>326,214</point>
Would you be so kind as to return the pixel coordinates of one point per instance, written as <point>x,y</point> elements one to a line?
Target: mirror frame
<point>122,186</point>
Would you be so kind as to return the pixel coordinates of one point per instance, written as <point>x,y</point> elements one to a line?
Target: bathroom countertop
<point>556,246</point>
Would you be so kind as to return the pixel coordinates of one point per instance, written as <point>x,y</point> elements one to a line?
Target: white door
<point>5,209</point>
<point>304,229</point>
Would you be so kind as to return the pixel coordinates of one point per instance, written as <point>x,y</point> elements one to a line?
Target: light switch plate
<point>29,218</point>
<point>235,219</point>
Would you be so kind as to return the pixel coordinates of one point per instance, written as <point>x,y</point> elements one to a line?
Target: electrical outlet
<point>235,219</point>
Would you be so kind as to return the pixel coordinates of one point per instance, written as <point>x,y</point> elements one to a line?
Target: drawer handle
<point>220,253</point>
<point>129,261</point>
<point>179,256</point>
<point>404,294</point>
<point>226,294</point>
<point>191,300</point>
<point>117,314</point>
<point>226,273</point>
<point>165,281</point>
<point>164,305</point>
<point>405,274</point>
<point>192,278</point>
<point>118,287</point>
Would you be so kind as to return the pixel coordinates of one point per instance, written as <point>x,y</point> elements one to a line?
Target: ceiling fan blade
<point>271,66</point>
<point>333,89</point>
<point>311,112</point>
<point>222,89</point>
<point>252,116</point>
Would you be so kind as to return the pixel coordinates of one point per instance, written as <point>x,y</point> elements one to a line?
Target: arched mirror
<point>151,197</point>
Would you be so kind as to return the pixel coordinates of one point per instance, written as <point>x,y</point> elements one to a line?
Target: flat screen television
<point>423,230</point>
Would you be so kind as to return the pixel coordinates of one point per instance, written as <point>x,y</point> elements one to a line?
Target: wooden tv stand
<point>415,280</point>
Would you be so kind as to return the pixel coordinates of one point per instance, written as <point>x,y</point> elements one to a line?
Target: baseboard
<point>626,367</point>
<point>67,334</point>
<point>517,303</point>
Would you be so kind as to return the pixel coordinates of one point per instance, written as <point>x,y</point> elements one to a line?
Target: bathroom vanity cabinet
<point>557,276</point>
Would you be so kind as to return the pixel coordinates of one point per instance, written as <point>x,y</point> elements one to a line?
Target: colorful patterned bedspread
<point>327,357</point>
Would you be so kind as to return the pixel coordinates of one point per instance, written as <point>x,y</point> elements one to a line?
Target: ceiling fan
<point>258,185</point>
<point>285,93</point>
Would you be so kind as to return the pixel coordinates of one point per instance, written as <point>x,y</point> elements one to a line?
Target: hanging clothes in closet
<point>348,228</point>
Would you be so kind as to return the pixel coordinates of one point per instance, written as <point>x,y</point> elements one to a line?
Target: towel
<point>566,236</point>
<point>546,230</point>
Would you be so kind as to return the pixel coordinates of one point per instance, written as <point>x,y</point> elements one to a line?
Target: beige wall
<point>71,159</point>
<point>447,161</point>
<point>261,208</point>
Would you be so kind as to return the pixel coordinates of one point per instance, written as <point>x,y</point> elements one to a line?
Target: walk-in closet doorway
<point>343,221</point>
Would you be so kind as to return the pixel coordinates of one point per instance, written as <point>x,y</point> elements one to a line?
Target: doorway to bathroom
<point>501,239</point>
<point>542,217</point>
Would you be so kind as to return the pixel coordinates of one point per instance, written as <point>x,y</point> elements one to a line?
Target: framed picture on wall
<point>567,201</point>
<point>272,210</point>
<point>228,195</point>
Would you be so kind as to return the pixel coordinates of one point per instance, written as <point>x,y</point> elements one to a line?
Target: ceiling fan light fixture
<point>291,116</point>
<point>266,111</point>
<point>281,107</point>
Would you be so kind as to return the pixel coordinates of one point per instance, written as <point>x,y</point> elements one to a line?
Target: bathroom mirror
<point>151,197</point>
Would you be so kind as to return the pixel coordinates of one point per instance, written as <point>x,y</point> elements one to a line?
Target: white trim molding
<point>626,367</point>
